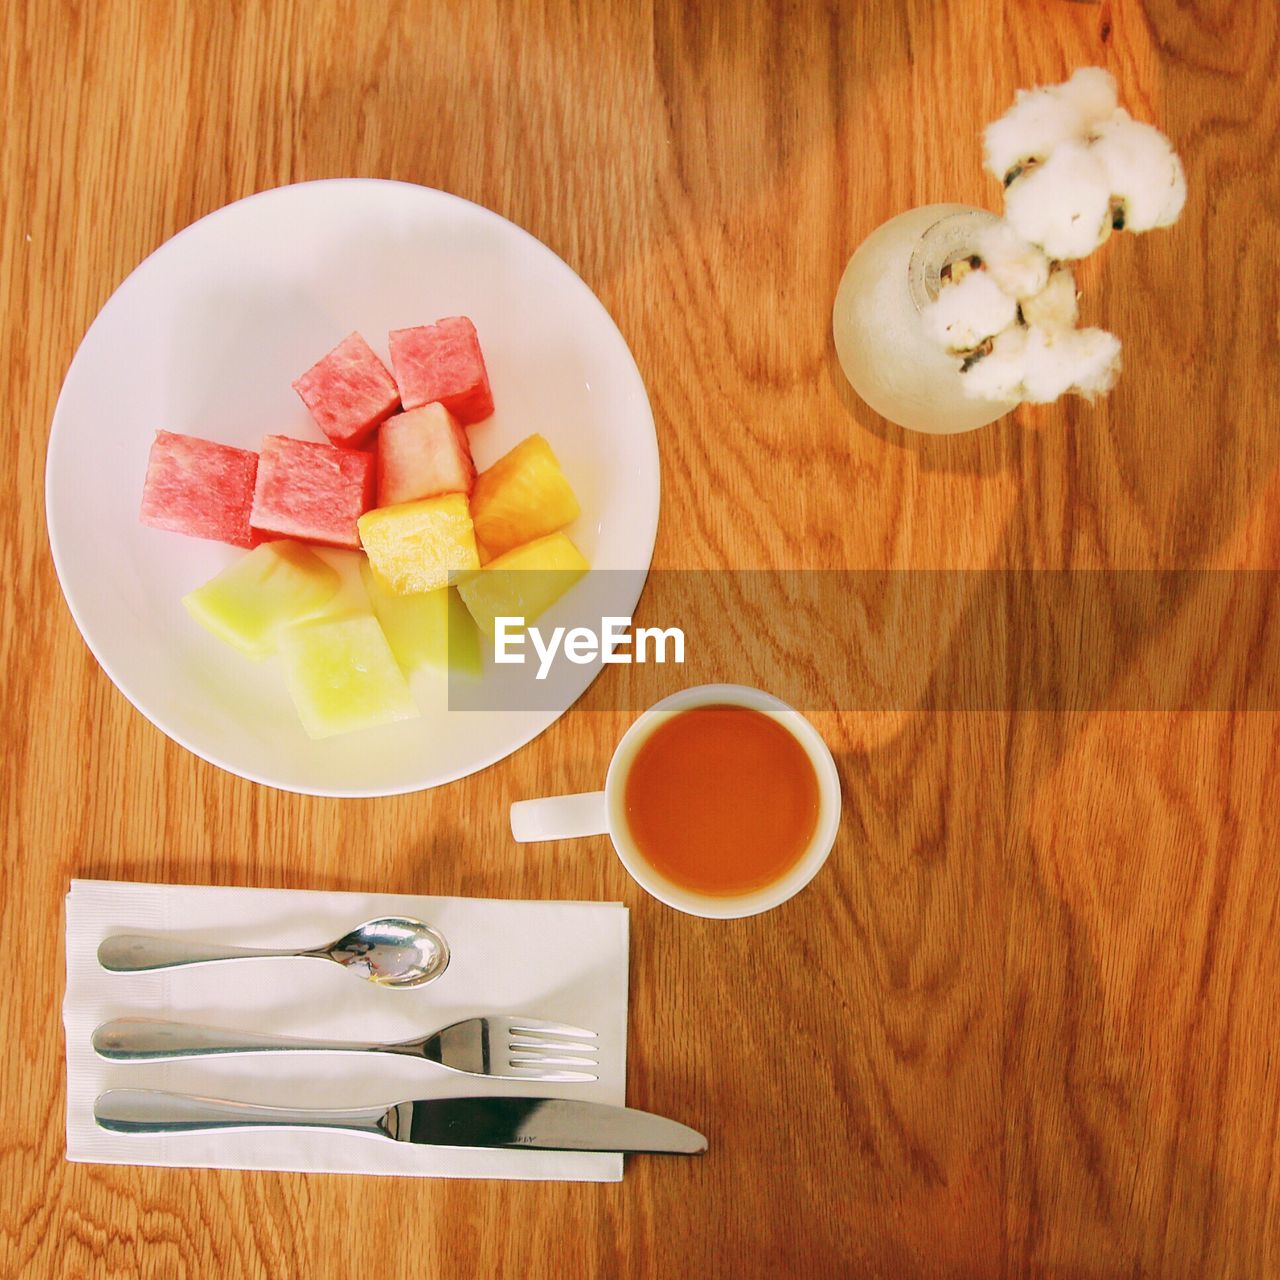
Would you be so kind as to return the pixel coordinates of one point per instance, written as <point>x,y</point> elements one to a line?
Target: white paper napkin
<point>560,961</point>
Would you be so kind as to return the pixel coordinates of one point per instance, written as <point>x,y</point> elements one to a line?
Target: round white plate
<point>205,337</point>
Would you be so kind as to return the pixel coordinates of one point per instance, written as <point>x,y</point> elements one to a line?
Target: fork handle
<point>151,1040</point>
<point>152,1111</point>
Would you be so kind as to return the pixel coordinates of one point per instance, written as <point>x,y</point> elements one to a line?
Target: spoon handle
<point>136,953</point>
<point>151,1040</point>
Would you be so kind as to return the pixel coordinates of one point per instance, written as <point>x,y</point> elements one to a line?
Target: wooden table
<point>1024,1022</point>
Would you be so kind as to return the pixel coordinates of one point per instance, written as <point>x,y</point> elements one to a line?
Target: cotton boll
<point>1143,172</point>
<point>1063,205</point>
<point>998,374</point>
<point>1019,268</point>
<point>1031,129</point>
<point>1042,118</point>
<point>1092,92</point>
<point>1056,361</point>
<point>1097,361</point>
<point>966,314</point>
<point>1056,305</point>
<point>1048,370</point>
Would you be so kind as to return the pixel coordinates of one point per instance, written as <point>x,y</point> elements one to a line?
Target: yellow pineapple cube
<point>523,583</point>
<point>523,496</point>
<point>415,546</point>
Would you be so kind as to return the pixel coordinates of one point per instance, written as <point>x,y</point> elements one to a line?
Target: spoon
<point>392,951</point>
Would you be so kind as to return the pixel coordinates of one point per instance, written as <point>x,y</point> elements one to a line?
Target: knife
<point>538,1124</point>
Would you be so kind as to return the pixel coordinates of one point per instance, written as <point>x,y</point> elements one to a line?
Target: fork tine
<point>565,1046</point>
<point>521,1025</point>
<point>552,1077</point>
<point>546,1059</point>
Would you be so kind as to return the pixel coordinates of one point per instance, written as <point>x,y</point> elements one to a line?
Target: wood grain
<point>1022,1025</point>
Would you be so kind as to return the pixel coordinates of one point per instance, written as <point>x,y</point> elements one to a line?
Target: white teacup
<point>604,812</point>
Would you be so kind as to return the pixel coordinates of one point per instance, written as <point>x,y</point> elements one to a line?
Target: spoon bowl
<point>392,951</point>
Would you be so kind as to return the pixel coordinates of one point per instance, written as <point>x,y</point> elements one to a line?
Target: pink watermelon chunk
<point>349,392</point>
<point>199,488</point>
<point>423,453</point>
<point>312,492</point>
<point>442,362</point>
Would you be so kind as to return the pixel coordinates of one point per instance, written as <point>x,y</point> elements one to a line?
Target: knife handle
<point>152,1111</point>
<point>153,1040</point>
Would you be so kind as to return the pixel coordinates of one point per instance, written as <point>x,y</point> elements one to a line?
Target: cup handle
<point>560,817</point>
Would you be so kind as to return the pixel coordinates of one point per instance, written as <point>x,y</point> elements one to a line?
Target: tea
<point>721,799</point>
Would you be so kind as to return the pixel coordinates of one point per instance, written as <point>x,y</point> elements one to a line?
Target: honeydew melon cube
<point>464,639</point>
<point>426,628</point>
<point>523,583</point>
<point>251,601</point>
<point>416,546</point>
<point>343,676</point>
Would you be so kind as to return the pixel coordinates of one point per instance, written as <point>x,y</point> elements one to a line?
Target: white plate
<point>205,337</point>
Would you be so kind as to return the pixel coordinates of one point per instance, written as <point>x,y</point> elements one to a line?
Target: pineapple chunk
<point>342,675</point>
<point>523,496</point>
<point>427,628</point>
<point>414,546</point>
<point>249,603</point>
<point>522,583</point>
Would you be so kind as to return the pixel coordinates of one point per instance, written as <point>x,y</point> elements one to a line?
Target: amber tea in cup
<point>721,799</point>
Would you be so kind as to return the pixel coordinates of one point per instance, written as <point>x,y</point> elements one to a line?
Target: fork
<point>506,1046</point>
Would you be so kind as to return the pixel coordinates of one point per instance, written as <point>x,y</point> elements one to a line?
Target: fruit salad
<point>444,549</point>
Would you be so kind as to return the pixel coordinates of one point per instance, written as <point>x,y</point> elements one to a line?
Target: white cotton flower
<point>1019,268</point>
<point>1063,205</point>
<point>1040,365</point>
<point>998,374</point>
<point>966,314</point>
<point>1097,362</point>
<point>1055,306</point>
<point>1143,171</point>
<point>1031,129</point>
<point>1092,92</point>
<point>1041,119</point>
<point>1056,361</point>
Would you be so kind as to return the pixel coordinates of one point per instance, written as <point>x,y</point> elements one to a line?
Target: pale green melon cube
<point>425,628</point>
<point>251,601</point>
<point>464,639</point>
<point>342,675</point>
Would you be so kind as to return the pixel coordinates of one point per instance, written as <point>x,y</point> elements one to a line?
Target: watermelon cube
<point>312,492</point>
<point>342,675</point>
<point>442,362</point>
<point>349,392</point>
<point>200,488</point>
<point>422,453</point>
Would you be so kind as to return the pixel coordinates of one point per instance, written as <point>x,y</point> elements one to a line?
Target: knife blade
<point>506,1123</point>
